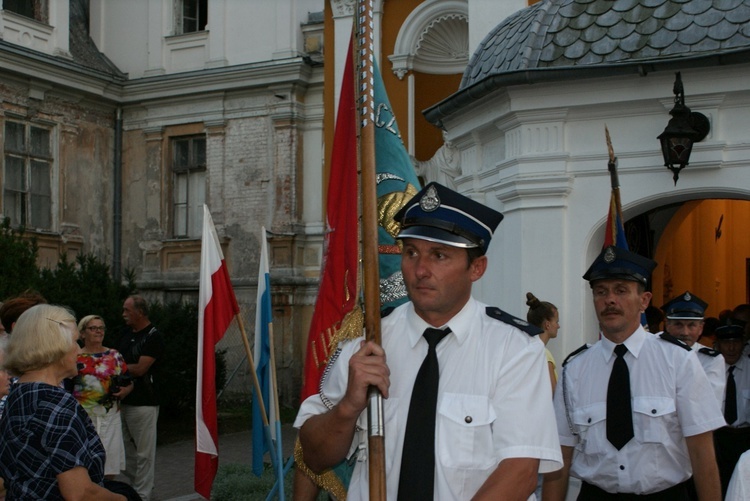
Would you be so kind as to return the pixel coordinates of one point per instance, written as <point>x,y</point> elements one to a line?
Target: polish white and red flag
<point>217,308</point>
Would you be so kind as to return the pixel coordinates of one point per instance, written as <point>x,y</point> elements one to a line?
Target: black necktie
<point>619,410</point>
<point>418,458</point>
<point>730,400</point>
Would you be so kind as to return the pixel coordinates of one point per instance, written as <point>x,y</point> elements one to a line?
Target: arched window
<point>434,40</point>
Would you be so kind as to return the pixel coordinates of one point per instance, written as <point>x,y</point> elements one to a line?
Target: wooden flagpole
<point>365,71</point>
<point>279,465</point>
<point>256,386</point>
<point>613,177</point>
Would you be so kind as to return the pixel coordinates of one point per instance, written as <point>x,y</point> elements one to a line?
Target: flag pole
<point>279,464</point>
<point>614,179</point>
<point>256,386</point>
<point>370,259</point>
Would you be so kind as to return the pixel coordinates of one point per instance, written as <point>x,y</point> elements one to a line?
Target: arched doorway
<point>700,245</point>
<point>705,247</point>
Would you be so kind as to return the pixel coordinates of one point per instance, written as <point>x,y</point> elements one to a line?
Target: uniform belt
<point>590,492</point>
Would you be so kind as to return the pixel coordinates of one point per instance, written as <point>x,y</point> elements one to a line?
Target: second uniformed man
<point>684,320</point>
<point>635,412</point>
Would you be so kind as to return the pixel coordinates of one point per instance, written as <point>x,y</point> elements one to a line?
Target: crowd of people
<point>475,407</point>
<point>64,429</point>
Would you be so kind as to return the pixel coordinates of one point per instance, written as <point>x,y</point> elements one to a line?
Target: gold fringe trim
<point>351,328</point>
<point>327,481</point>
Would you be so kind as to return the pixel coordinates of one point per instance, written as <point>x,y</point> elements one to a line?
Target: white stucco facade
<point>538,154</point>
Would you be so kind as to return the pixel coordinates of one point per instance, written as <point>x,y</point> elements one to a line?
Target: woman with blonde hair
<point>102,381</point>
<point>545,316</point>
<point>49,448</point>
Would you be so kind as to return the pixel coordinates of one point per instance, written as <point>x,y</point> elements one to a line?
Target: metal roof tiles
<point>568,33</point>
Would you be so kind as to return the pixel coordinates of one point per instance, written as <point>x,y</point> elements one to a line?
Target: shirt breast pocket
<point>589,423</point>
<point>464,431</point>
<point>649,421</point>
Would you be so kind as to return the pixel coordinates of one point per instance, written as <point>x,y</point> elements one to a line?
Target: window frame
<point>27,214</point>
<point>191,171</point>
<point>200,20</point>
<point>38,10</point>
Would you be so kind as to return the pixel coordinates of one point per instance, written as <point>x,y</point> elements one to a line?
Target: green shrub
<point>17,261</point>
<point>85,285</point>
<point>178,323</point>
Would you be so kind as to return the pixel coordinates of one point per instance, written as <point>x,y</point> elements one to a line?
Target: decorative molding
<point>153,133</point>
<point>342,7</point>
<point>433,39</point>
<point>529,139</point>
<point>443,47</point>
<point>216,127</point>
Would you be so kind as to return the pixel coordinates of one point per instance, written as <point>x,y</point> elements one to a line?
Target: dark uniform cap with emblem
<point>439,214</point>
<point>686,306</point>
<point>732,329</point>
<point>614,262</point>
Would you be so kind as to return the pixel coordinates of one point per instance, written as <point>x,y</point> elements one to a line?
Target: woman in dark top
<point>49,448</point>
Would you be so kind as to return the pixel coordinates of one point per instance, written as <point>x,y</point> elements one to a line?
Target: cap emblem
<point>430,200</point>
<point>687,296</point>
<point>609,255</point>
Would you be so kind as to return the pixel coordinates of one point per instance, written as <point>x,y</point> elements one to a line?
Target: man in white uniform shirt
<point>734,439</point>
<point>635,412</point>
<point>684,320</point>
<point>492,425</point>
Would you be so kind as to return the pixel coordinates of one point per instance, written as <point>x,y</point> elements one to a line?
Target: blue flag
<point>397,183</point>
<point>262,360</point>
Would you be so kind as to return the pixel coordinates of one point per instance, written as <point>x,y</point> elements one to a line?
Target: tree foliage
<point>178,324</point>
<point>86,286</point>
<point>17,261</point>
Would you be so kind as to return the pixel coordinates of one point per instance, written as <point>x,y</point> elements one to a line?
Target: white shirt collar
<point>633,343</point>
<point>459,324</point>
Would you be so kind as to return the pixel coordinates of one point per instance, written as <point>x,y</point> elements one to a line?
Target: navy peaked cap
<point>614,262</point>
<point>439,214</point>
<point>732,329</point>
<point>686,306</point>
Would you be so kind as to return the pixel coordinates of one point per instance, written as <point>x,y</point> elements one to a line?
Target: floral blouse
<point>95,372</point>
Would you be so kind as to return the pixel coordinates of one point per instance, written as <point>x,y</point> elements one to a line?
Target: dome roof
<point>587,33</point>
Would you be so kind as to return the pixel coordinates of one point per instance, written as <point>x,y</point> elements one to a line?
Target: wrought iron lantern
<point>683,130</point>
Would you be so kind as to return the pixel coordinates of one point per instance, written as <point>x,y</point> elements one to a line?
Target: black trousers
<point>590,492</point>
<point>729,443</point>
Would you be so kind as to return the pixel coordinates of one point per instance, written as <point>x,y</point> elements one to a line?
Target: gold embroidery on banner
<point>351,328</point>
<point>327,480</point>
<point>389,249</point>
<point>315,354</point>
<point>327,341</point>
<point>390,204</point>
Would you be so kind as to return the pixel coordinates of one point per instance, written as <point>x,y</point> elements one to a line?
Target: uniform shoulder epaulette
<point>386,311</point>
<point>670,338</point>
<point>498,314</point>
<point>708,351</point>
<point>574,353</point>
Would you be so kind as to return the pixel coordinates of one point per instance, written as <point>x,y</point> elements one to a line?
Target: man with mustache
<point>684,320</point>
<point>635,412</point>
<point>485,428</point>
